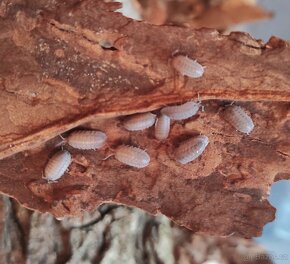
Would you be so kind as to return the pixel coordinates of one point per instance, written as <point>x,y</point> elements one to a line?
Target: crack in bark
<point>283,153</point>
<point>250,46</point>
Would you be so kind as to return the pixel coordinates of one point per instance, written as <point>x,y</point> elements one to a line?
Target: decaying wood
<point>199,13</point>
<point>55,76</point>
<point>114,234</point>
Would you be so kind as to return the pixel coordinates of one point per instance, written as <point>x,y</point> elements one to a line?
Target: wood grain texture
<point>54,76</point>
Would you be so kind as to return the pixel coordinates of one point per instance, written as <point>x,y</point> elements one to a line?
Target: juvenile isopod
<point>106,44</point>
<point>87,139</point>
<point>239,119</point>
<point>139,121</point>
<point>132,156</point>
<point>180,112</point>
<point>162,127</point>
<point>187,67</point>
<point>57,165</point>
<point>191,149</point>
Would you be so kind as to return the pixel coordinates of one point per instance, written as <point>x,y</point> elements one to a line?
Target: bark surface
<point>113,234</point>
<point>56,75</point>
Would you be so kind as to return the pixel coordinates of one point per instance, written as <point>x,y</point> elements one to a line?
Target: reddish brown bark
<point>55,76</point>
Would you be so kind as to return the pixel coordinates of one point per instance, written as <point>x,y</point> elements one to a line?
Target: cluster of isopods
<point>82,139</point>
<point>186,152</point>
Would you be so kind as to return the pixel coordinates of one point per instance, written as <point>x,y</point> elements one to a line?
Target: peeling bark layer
<point>231,179</point>
<point>55,75</point>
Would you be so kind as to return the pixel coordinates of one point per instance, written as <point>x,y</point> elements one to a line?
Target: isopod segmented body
<point>132,156</point>
<point>191,149</point>
<point>87,139</point>
<point>57,165</point>
<point>139,121</point>
<point>180,112</point>
<point>239,119</point>
<point>188,67</point>
<point>162,127</point>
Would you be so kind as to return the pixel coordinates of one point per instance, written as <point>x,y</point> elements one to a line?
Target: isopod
<point>187,67</point>
<point>106,44</point>
<point>87,139</point>
<point>180,112</point>
<point>132,156</point>
<point>162,127</point>
<point>139,121</point>
<point>191,149</point>
<point>57,165</point>
<point>239,119</point>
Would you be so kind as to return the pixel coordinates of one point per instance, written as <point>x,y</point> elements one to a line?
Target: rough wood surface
<point>54,76</point>
<point>113,234</point>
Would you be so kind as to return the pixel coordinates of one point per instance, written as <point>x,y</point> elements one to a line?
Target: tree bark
<point>113,234</point>
<point>56,75</point>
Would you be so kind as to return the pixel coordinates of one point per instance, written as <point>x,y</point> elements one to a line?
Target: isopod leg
<point>49,181</point>
<point>199,101</point>
<point>62,143</point>
<point>110,155</point>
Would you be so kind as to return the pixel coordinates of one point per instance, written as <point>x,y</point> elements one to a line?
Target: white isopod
<point>139,121</point>
<point>188,67</point>
<point>87,139</point>
<point>239,119</point>
<point>162,127</point>
<point>106,44</point>
<point>180,112</point>
<point>191,149</point>
<point>57,165</point>
<point>132,156</point>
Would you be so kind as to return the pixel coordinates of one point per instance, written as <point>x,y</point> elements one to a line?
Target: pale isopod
<point>132,156</point>
<point>180,112</point>
<point>239,119</point>
<point>188,67</point>
<point>87,139</point>
<point>162,127</point>
<point>139,121</point>
<point>57,165</point>
<point>106,44</point>
<point>191,149</point>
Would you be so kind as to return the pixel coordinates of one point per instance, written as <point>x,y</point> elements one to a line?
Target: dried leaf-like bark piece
<point>56,76</point>
<point>54,69</point>
<point>226,186</point>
